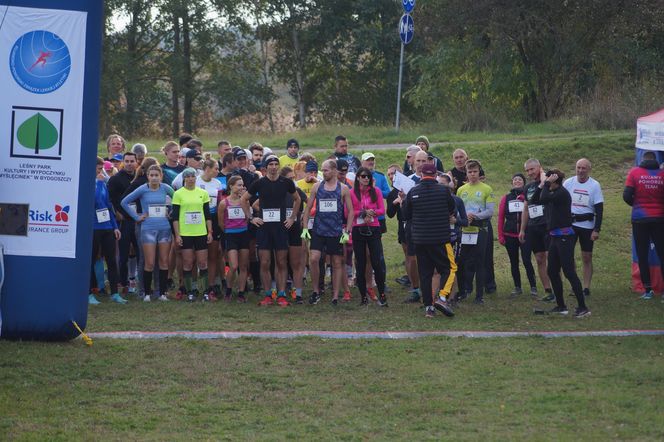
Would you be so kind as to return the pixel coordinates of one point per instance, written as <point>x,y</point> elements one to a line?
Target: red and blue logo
<point>57,217</point>
<point>40,62</point>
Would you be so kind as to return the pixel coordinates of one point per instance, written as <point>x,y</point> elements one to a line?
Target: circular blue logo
<point>40,62</point>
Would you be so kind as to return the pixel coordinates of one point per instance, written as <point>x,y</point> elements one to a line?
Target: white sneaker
<point>147,298</point>
<point>162,298</point>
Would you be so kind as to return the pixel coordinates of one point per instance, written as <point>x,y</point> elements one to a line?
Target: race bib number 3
<point>193,218</point>
<point>271,215</point>
<point>515,206</point>
<point>289,213</point>
<point>580,199</point>
<point>469,238</point>
<point>157,211</point>
<point>235,213</point>
<point>535,211</point>
<point>328,205</point>
<point>103,215</point>
<point>310,223</point>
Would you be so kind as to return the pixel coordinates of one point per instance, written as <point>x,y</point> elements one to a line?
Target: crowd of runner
<point>219,224</point>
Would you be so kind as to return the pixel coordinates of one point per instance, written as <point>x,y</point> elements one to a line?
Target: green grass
<point>433,389</point>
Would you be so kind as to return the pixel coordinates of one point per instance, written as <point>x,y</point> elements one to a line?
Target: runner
<point>368,205</point>
<point>291,157</point>
<point>510,210</point>
<point>155,230</point>
<point>587,211</point>
<point>332,199</point>
<point>341,153</point>
<point>479,202</point>
<point>408,168</point>
<point>192,226</point>
<point>194,161</point>
<point>273,225</point>
<point>256,154</point>
<point>551,193</point>
<point>533,226</point>
<point>105,234</point>
<point>310,178</point>
<point>171,168</point>
<point>115,144</point>
<point>644,191</point>
<point>233,221</point>
<point>208,182</point>
<point>423,143</point>
<point>429,206</point>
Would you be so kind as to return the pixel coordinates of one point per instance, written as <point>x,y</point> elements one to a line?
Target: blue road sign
<point>408,5</point>
<point>406,28</point>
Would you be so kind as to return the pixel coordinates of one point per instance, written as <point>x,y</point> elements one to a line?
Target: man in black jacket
<point>428,206</point>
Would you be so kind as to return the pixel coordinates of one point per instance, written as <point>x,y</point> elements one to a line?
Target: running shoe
<point>147,298</point>
<point>293,294</point>
<point>413,298</point>
<point>132,285</point>
<point>516,292</point>
<point>533,292</point>
<point>372,294</point>
<point>314,298</point>
<point>162,298</point>
<point>118,299</point>
<point>228,298</point>
<point>274,294</point>
<point>490,290</point>
<point>266,301</point>
<point>346,297</point>
<point>335,301</point>
<point>241,299</point>
<point>92,300</point>
<point>559,311</point>
<point>444,307</point>
<point>206,298</point>
<point>403,280</point>
<point>299,300</point>
<point>364,300</point>
<point>282,301</point>
<point>460,296</point>
<point>382,300</point>
<point>648,295</point>
<point>550,297</point>
<point>180,295</point>
<point>429,312</point>
<point>478,301</point>
<point>212,296</point>
<point>581,312</point>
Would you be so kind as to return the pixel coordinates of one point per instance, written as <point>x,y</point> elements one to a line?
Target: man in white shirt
<point>587,210</point>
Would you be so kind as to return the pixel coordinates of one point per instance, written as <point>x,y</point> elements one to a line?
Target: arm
<point>392,208</point>
<point>348,202</point>
<point>380,206</point>
<point>628,195</point>
<point>221,214</point>
<point>310,202</point>
<point>384,187</point>
<point>462,219</point>
<point>406,211</point>
<point>133,196</point>
<point>524,222</point>
<point>297,201</point>
<point>599,213</point>
<point>175,217</point>
<point>208,220</point>
<point>501,220</point>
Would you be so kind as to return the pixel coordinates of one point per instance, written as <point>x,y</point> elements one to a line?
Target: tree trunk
<point>175,78</point>
<point>188,82</point>
<point>299,77</point>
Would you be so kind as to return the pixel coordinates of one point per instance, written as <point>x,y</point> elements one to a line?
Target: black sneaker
<point>191,297</point>
<point>364,300</point>
<point>429,312</point>
<point>413,298</point>
<point>581,312</point>
<point>403,280</point>
<point>299,300</point>
<point>460,296</point>
<point>559,311</point>
<point>478,301</point>
<point>314,298</point>
<point>335,301</point>
<point>550,297</point>
<point>382,300</point>
<point>206,297</point>
<point>444,307</point>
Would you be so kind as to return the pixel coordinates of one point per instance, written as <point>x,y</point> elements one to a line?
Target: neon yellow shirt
<point>285,160</point>
<point>192,218</point>
<point>305,187</point>
<point>475,197</point>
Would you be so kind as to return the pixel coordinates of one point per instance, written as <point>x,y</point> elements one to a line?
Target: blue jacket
<point>103,201</point>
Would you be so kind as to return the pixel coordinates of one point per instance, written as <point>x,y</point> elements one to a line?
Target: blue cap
<point>117,157</point>
<point>311,166</point>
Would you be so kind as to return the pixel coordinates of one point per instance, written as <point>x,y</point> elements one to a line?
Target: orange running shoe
<point>282,301</point>
<point>274,294</point>
<point>346,297</point>
<point>266,301</point>
<point>372,294</point>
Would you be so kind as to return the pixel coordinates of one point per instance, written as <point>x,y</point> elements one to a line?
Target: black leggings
<point>474,264</point>
<point>104,241</point>
<point>644,233</point>
<point>360,244</point>
<point>561,255</point>
<point>513,246</point>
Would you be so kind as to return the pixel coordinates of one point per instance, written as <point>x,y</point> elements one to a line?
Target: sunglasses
<point>364,176</point>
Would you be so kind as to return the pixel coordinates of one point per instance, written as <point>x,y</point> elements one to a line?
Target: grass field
<point>443,388</point>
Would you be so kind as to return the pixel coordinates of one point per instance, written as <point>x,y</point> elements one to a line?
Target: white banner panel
<point>42,62</point>
<point>650,136</point>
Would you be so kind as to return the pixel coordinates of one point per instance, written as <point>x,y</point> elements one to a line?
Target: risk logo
<point>61,213</point>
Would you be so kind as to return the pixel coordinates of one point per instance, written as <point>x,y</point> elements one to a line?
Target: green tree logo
<point>37,132</point>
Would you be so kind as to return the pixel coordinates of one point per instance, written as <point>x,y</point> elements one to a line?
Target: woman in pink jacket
<point>368,206</point>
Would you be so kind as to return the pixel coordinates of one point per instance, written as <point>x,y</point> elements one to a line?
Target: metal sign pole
<point>396,126</point>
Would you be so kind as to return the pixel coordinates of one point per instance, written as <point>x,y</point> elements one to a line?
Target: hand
<point>118,235</point>
<point>305,234</point>
<point>471,218</point>
<point>501,241</point>
<point>141,218</point>
<point>371,212</point>
<point>178,240</point>
<point>289,223</point>
<point>256,221</point>
<point>594,236</point>
<point>551,178</point>
<point>522,237</point>
<point>402,195</point>
<point>209,237</point>
<point>344,238</point>
<point>397,201</point>
<point>542,176</point>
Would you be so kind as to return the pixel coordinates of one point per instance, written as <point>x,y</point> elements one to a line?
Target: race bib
<point>103,215</point>
<point>289,213</point>
<point>328,206</point>
<point>157,211</point>
<point>469,238</point>
<point>193,218</point>
<point>271,215</point>
<point>310,223</point>
<point>235,213</point>
<point>580,199</point>
<point>515,206</point>
<point>535,211</point>
<point>213,202</point>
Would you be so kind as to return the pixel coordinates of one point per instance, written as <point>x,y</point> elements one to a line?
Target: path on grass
<point>369,335</point>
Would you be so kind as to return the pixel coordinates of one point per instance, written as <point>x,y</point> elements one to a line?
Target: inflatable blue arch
<point>50,51</point>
